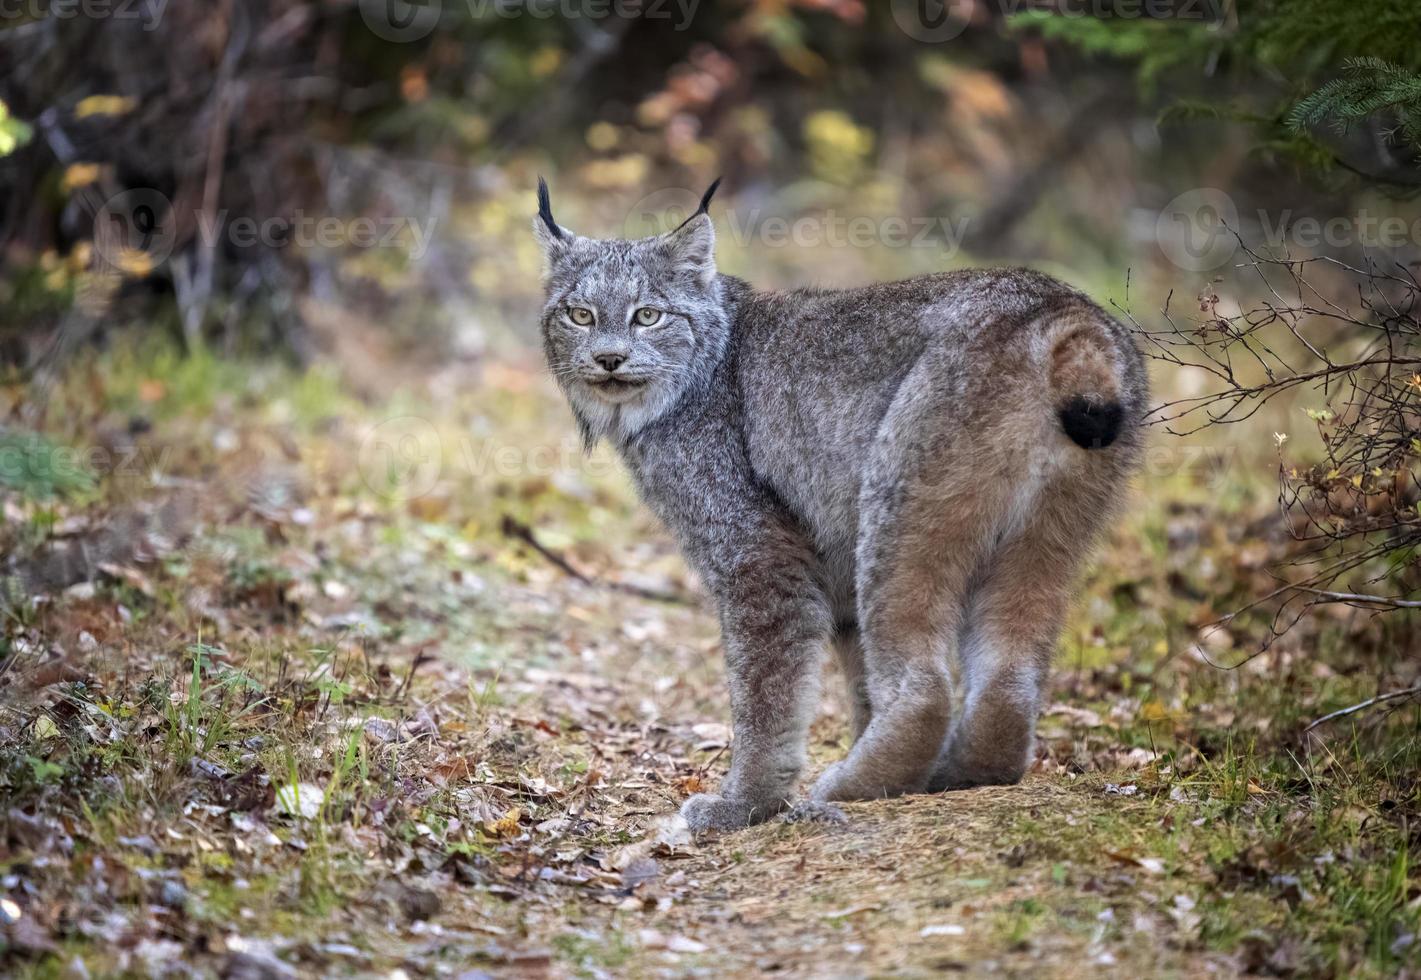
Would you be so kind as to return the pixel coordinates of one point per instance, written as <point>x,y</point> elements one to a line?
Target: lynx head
<point>629,326</point>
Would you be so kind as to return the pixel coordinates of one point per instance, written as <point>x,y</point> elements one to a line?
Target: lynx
<point>907,473</point>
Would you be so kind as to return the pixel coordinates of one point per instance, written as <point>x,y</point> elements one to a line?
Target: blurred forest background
<point>291,513</point>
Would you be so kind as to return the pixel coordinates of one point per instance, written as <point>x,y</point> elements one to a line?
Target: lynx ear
<point>553,237</point>
<point>691,245</point>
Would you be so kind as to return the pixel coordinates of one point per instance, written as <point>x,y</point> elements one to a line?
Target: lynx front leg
<point>776,625</point>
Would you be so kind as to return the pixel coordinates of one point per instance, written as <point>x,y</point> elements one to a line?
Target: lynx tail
<point>1086,387</point>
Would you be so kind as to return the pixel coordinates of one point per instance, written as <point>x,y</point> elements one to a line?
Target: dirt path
<point>1028,879</point>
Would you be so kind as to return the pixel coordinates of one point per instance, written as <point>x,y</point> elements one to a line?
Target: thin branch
<point>519,531</point>
<point>1347,338</point>
<point>1410,692</point>
<point>1352,597</point>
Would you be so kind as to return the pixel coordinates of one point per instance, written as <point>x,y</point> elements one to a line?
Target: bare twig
<point>420,658</point>
<point>1353,597</point>
<point>519,531</point>
<point>1410,692</point>
<point>1349,339</point>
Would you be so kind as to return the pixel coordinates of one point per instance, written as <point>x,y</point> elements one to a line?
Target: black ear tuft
<point>545,209</point>
<point>705,203</point>
<point>706,197</point>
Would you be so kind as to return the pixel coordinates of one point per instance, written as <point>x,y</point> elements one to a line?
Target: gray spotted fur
<point>878,470</point>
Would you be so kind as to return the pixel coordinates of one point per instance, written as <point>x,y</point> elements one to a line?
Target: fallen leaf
<point>639,872</point>
<point>652,939</point>
<point>506,825</point>
<point>1153,865</point>
<point>131,577</point>
<point>1081,716</point>
<point>711,735</point>
<point>300,800</point>
<point>104,105</point>
<point>53,672</point>
<point>946,929</point>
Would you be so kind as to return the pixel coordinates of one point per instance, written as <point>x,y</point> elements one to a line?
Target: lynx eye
<point>647,316</point>
<point>580,316</point>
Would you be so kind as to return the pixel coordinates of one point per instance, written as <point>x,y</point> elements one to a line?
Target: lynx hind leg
<point>1012,622</point>
<point>913,582</point>
<point>920,536</point>
<point>848,652</point>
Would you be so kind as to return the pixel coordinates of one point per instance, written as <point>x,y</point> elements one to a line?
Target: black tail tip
<point>1091,425</point>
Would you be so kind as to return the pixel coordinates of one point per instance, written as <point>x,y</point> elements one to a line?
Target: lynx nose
<point>610,361</point>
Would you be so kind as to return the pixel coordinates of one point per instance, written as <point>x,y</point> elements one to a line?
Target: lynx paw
<point>836,783</point>
<point>810,811</point>
<point>842,781</point>
<point>953,772</point>
<point>705,811</point>
<point>951,777</point>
